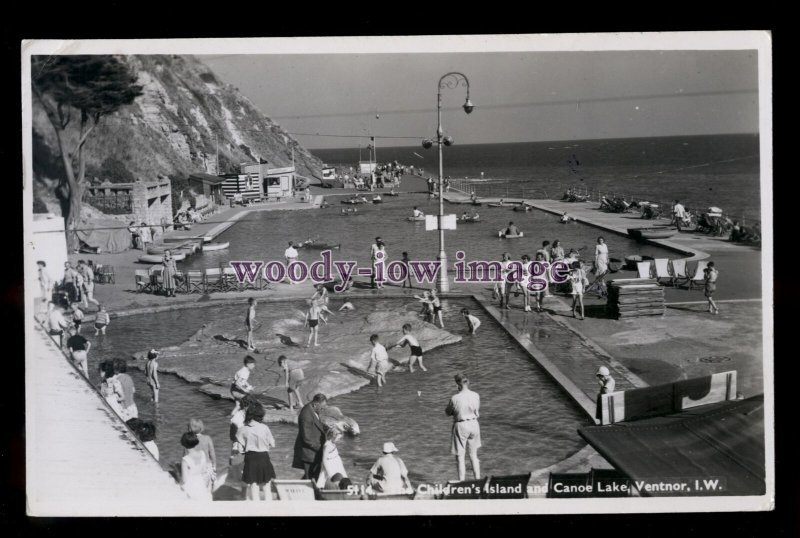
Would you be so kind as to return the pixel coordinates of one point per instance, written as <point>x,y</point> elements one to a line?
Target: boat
<point>502,234</point>
<point>614,265</point>
<point>319,245</point>
<point>523,207</point>
<point>392,194</point>
<point>216,246</point>
<point>497,204</point>
<point>471,219</point>
<point>416,219</point>
<point>465,202</point>
<point>651,233</point>
<point>208,238</point>
<point>153,258</point>
<point>354,201</point>
<point>377,201</point>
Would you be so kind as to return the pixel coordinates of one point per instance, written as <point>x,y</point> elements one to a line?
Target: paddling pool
<point>526,421</point>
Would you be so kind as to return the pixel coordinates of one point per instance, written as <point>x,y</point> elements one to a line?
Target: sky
<point>518,96</point>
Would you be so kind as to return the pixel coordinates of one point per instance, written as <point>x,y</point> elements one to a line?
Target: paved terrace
<point>82,459</point>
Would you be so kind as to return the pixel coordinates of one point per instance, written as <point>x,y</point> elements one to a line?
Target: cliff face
<point>173,129</point>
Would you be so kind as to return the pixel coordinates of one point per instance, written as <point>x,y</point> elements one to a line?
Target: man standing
<point>678,214</point>
<point>291,255</point>
<point>310,437</point>
<point>464,407</point>
<point>607,386</point>
<point>88,284</point>
<point>376,247</point>
<point>72,282</point>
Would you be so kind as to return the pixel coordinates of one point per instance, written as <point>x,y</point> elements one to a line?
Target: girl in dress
<point>111,389</point>
<point>601,257</point>
<point>170,270</point>
<point>331,461</point>
<point>196,473</point>
<point>577,279</point>
<point>710,276</point>
<point>256,439</point>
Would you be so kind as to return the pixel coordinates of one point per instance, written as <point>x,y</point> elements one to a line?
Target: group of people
<point>141,235</point>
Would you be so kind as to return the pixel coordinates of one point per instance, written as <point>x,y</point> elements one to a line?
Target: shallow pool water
<point>263,235</point>
<point>526,421</point>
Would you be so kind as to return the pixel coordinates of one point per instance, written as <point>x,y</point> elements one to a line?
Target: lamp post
<point>450,80</point>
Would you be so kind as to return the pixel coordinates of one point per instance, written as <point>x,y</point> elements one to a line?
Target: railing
<point>111,202</point>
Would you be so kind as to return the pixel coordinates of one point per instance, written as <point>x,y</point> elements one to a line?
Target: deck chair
<point>195,283</point>
<point>338,495</point>
<point>229,282</point>
<point>469,489</point>
<point>662,270</point>
<point>393,496</point>
<point>698,277</point>
<point>508,487</point>
<point>108,275</point>
<point>602,481</point>
<point>568,485</point>
<point>295,490</point>
<point>143,281</point>
<point>679,271</point>
<point>643,269</point>
<point>213,280</point>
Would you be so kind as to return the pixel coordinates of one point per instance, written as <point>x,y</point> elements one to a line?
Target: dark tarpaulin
<point>107,235</point>
<point>723,440</point>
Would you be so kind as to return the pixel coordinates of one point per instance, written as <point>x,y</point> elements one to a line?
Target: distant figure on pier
<point>464,407</point>
<point>607,385</point>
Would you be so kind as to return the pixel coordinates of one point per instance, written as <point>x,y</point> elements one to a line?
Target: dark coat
<point>310,437</point>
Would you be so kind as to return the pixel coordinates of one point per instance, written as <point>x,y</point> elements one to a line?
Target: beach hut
<point>210,186</point>
<point>247,185</point>
<point>272,182</point>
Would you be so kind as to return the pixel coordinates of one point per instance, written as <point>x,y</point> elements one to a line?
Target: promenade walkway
<point>82,459</point>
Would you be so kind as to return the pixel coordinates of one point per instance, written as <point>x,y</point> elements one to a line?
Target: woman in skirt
<point>170,270</point>
<point>256,439</point>
<point>710,275</point>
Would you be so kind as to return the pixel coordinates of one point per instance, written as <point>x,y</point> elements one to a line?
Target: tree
<point>92,87</point>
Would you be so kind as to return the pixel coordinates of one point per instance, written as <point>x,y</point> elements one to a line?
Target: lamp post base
<point>444,282</point>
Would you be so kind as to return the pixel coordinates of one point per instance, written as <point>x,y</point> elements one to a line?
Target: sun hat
<point>602,371</point>
<point>389,447</point>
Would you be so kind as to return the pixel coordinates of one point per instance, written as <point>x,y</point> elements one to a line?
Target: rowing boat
<point>502,234</point>
<point>152,258</point>
<point>216,246</point>
<point>416,219</point>
<point>651,233</point>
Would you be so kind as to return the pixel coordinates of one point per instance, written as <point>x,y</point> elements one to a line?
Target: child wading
<point>379,359</point>
<point>472,322</point>
<point>413,344</point>
<point>101,321</point>
<point>151,373</point>
<point>249,322</point>
<point>294,380</point>
<point>313,316</point>
<point>241,386</point>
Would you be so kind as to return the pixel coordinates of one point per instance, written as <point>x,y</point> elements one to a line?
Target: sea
<point>701,171</point>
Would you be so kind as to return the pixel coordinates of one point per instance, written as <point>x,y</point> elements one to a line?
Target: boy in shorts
<point>379,359</point>
<point>313,316</point>
<point>77,318</point>
<point>294,380</point>
<point>413,344</point>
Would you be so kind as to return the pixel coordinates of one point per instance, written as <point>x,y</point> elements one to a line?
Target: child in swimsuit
<point>77,318</point>
<point>413,344</point>
<point>313,316</point>
<point>436,303</point>
<point>249,322</point>
<point>151,373</point>
<point>294,380</point>
<point>472,322</point>
<point>101,321</point>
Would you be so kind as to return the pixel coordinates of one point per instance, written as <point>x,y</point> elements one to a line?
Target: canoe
<point>377,201</point>
<point>522,208</point>
<point>354,201</point>
<point>651,233</point>
<point>392,194</point>
<point>469,219</point>
<point>152,258</point>
<point>503,235</point>
<point>321,246</point>
<point>498,205</point>
<point>464,202</point>
<point>216,246</point>
<point>208,238</point>
<point>416,219</point>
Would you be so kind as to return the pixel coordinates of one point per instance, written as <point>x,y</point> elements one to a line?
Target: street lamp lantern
<point>450,80</point>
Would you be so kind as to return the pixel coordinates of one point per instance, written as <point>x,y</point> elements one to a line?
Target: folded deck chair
<point>679,271</point>
<point>229,281</point>
<point>698,277</point>
<point>644,269</point>
<point>143,281</point>
<point>508,487</point>
<point>468,489</point>
<point>213,280</point>
<point>295,490</point>
<point>195,283</point>
<point>662,270</point>
<point>568,485</point>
